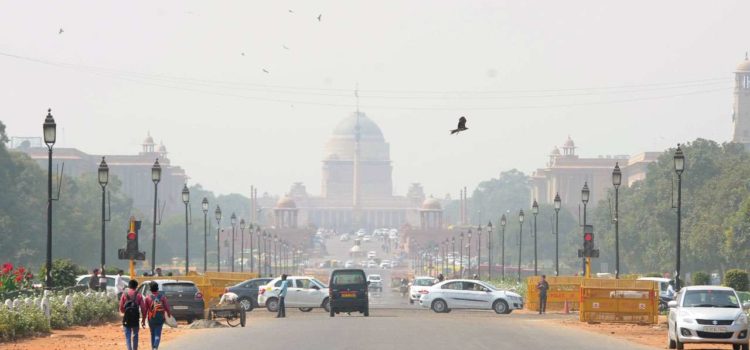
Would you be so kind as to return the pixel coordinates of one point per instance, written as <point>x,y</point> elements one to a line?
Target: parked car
<point>375,282</point>
<point>247,292</point>
<point>371,264</point>
<point>348,291</point>
<point>707,315</point>
<point>419,286</point>
<point>469,294</point>
<point>303,292</point>
<point>183,297</point>
<point>83,280</point>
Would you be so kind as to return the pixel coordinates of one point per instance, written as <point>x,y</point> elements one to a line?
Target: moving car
<point>708,315</point>
<point>83,280</point>
<point>385,264</point>
<point>371,254</point>
<point>247,292</point>
<point>375,282</point>
<point>470,294</point>
<point>303,292</point>
<point>183,297</point>
<point>348,292</point>
<point>349,264</point>
<point>419,286</point>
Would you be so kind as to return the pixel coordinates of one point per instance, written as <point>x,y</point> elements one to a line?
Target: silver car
<point>708,315</point>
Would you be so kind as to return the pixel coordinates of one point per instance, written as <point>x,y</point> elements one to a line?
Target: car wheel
<point>305,309</point>
<point>326,304</point>
<point>367,311</point>
<point>670,343</point>
<point>677,343</point>
<point>439,306</point>
<point>411,301</point>
<point>500,307</point>
<point>189,320</point>
<point>246,304</point>
<point>272,305</point>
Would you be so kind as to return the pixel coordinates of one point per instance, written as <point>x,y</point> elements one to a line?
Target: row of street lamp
<point>432,252</point>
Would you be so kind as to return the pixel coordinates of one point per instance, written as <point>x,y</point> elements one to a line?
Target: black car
<point>247,292</point>
<point>183,297</point>
<point>348,292</point>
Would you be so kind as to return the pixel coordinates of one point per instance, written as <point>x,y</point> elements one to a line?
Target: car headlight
<point>688,320</point>
<point>741,319</point>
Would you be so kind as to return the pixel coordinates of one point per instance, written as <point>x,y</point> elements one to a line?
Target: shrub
<point>26,320</point>
<point>653,274</point>
<point>64,272</point>
<point>701,278</point>
<point>736,279</point>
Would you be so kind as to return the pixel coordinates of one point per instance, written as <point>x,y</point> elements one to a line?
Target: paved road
<point>389,329</point>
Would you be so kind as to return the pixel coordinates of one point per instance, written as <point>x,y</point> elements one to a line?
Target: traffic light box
<point>588,250</point>
<point>131,248</point>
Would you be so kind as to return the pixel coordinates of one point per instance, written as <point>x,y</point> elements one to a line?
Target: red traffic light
<point>588,237</point>
<point>131,236</point>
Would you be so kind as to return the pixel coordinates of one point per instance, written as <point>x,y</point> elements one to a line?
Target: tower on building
<point>741,105</point>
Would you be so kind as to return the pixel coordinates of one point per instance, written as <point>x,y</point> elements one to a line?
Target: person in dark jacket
<point>94,280</point>
<point>542,287</point>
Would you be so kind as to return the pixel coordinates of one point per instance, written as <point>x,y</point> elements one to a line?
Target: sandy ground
<point>107,336</point>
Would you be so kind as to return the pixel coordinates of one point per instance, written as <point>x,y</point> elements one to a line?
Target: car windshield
<point>425,282</point>
<point>710,298</point>
<point>319,283</point>
<point>348,277</point>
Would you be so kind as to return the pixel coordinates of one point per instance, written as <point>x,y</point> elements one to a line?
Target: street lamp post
<point>503,222</point>
<point>50,136</point>
<point>103,173</point>
<point>242,245</point>
<point>535,211</point>
<point>489,250</point>
<point>558,204</point>
<point>585,199</point>
<point>468,249</point>
<point>616,181</point>
<point>453,254</point>
<point>275,254</point>
<point>479,252</point>
<point>217,213</point>
<point>186,200</point>
<point>233,221</point>
<point>260,251</point>
<point>520,242</point>
<point>679,167</point>
<point>156,178</point>
<point>461,253</point>
<point>250,232</point>
<point>204,206</point>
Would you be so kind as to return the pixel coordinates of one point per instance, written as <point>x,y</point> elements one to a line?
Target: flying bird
<point>319,17</point>
<point>265,71</point>
<point>461,126</point>
<point>61,31</point>
<point>290,11</point>
<point>285,47</point>
<point>243,54</point>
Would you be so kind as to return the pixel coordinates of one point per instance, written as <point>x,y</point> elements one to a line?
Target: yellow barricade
<point>622,301</point>
<point>212,284</point>
<point>562,289</point>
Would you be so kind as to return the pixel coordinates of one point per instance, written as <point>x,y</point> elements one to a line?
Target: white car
<point>344,237</point>
<point>83,280</point>
<point>470,294</point>
<point>366,239</point>
<point>371,265</point>
<point>371,254</point>
<point>385,264</point>
<point>349,264</point>
<point>708,315</point>
<point>303,292</point>
<point>376,282</point>
<point>419,286</point>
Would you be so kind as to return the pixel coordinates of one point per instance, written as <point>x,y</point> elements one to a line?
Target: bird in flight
<point>461,126</point>
<point>285,47</point>
<point>290,11</point>
<point>265,71</point>
<point>61,31</point>
<point>243,54</point>
<point>320,16</point>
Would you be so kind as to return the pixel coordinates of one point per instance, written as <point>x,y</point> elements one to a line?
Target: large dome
<point>367,127</point>
<point>744,66</point>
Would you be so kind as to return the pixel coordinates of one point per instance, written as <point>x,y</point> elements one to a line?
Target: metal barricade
<point>562,290</point>
<point>621,301</point>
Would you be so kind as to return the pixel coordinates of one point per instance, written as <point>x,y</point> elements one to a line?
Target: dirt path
<point>107,336</point>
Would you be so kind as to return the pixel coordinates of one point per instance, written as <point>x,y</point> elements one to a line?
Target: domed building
<point>357,184</point>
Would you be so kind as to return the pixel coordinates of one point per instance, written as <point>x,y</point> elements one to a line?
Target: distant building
<point>134,171</point>
<point>741,104</point>
<point>566,173</point>
<point>357,187</point>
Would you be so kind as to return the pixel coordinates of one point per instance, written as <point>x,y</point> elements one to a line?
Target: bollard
<point>16,303</point>
<point>9,304</point>
<point>68,302</point>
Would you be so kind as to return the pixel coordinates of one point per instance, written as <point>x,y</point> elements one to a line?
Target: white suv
<point>376,283</point>
<point>303,292</point>
<point>707,315</point>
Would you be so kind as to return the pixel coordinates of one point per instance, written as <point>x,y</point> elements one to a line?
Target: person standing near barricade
<point>542,287</point>
<point>282,296</point>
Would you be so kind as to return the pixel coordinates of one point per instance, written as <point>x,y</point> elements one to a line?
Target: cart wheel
<point>234,321</point>
<point>243,318</point>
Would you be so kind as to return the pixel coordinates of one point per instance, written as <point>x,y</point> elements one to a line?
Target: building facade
<point>566,173</point>
<point>134,171</point>
<point>357,186</point>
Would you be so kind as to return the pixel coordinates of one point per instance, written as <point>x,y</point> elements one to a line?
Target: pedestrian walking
<point>282,296</point>
<point>158,271</point>
<point>94,280</point>
<point>132,308</point>
<point>158,310</point>
<point>542,287</point>
<point>120,283</point>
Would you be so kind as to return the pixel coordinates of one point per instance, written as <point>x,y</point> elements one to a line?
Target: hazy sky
<point>619,77</point>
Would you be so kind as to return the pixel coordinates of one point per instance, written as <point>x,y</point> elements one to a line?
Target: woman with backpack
<point>158,311</point>
<point>132,307</point>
